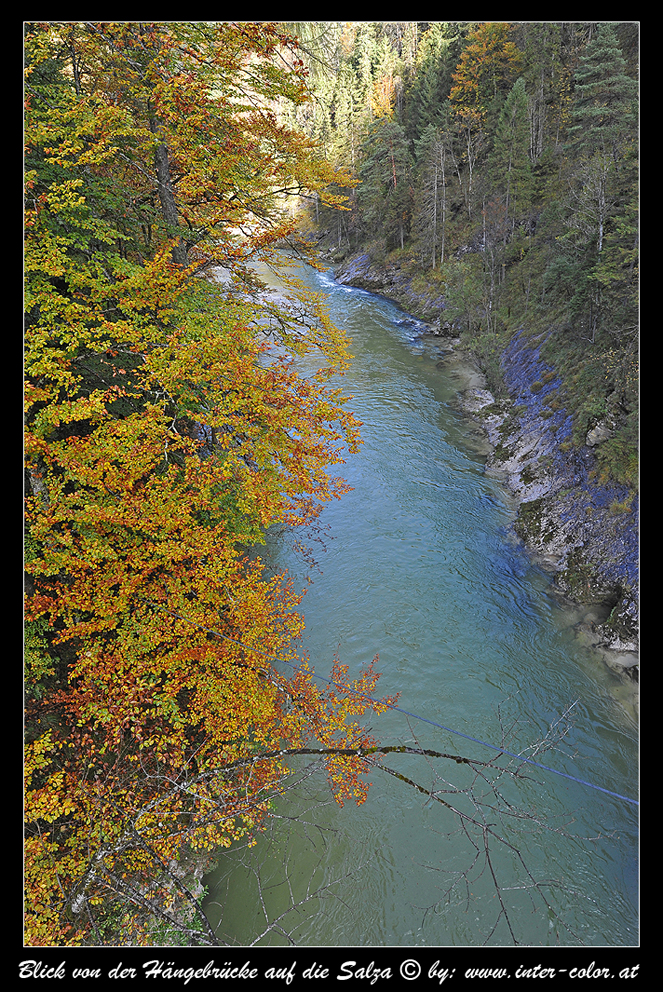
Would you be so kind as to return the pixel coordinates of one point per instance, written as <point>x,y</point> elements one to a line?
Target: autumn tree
<point>167,425</point>
<point>486,71</point>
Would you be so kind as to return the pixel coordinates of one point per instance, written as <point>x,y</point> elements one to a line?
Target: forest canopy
<point>498,167</point>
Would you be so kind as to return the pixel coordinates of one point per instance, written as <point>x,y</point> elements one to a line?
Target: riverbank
<point>584,531</point>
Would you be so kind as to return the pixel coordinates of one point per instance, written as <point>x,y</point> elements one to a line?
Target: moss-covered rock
<point>528,521</point>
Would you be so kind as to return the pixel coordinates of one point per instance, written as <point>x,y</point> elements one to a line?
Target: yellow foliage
<point>164,431</point>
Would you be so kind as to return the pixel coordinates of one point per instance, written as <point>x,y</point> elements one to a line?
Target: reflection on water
<point>416,564</point>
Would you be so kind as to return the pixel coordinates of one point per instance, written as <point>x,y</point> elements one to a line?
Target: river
<point>417,564</point>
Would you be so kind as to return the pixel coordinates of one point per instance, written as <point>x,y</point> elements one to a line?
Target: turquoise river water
<point>417,564</point>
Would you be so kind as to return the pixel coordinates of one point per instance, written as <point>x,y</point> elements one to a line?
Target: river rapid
<point>417,564</point>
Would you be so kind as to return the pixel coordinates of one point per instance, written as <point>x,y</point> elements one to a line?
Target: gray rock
<point>603,431</point>
<point>473,400</point>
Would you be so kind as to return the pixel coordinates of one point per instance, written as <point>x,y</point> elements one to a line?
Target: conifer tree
<point>437,56</point>
<point>385,193</point>
<point>604,112</point>
<point>509,164</point>
<point>431,202</point>
<point>603,188</point>
<point>427,199</point>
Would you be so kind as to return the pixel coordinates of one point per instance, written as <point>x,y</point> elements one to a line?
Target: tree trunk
<point>166,194</point>
<point>435,215</point>
<point>444,202</point>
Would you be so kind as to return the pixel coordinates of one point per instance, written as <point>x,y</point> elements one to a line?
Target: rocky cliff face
<point>390,281</point>
<point>585,531</point>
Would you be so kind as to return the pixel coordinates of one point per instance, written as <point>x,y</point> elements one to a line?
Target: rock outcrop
<point>363,272</point>
<point>586,531</point>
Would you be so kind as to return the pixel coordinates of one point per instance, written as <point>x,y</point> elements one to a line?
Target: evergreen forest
<point>497,164</point>
<point>167,426</point>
